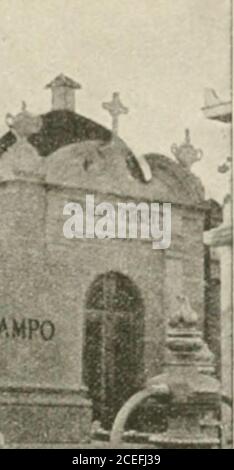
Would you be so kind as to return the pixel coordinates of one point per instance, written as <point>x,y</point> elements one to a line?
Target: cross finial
<point>115,108</point>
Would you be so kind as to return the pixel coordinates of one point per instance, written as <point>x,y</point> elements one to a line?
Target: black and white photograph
<point>116,263</point>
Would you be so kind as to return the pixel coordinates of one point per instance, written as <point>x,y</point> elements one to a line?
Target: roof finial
<point>115,108</point>
<point>24,123</point>
<point>63,92</point>
<point>186,154</point>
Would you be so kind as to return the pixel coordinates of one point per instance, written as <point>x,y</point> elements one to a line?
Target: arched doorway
<point>113,349</point>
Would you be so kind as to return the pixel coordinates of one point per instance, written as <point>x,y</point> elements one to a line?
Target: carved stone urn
<point>23,124</point>
<point>186,154</point>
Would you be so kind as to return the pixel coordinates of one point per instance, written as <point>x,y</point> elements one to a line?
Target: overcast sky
<point>159,54</point>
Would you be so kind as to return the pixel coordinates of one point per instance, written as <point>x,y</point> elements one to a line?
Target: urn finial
<point>24,123</point>
<point>186,154</point>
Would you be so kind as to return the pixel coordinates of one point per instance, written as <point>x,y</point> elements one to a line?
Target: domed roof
<point>61,128</point>
<point>82,153</point>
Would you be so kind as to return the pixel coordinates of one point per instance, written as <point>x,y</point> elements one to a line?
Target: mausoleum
<point>83,321</point>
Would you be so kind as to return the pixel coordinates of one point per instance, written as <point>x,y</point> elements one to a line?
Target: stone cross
<point>115,108</point>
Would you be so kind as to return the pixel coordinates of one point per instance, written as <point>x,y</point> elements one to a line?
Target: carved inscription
<point>27,328</point>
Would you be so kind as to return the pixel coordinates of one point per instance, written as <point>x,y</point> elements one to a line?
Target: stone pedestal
<point>190,392</point>
<point>44,415</point>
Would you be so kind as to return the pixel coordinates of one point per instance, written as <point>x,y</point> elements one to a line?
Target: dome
<point>78,152</point>
<point>64,128</point>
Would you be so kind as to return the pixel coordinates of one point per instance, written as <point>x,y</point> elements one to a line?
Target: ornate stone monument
<point>190,392</point>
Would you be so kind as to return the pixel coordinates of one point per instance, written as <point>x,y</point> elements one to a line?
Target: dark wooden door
<point>113,352</point>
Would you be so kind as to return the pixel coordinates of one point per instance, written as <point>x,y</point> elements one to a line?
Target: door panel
<point>113,352</point>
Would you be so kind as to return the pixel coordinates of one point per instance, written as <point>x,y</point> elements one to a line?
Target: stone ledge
<point>30,395</point>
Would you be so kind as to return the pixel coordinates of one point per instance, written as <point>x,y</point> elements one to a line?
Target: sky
<point>159,54</point>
